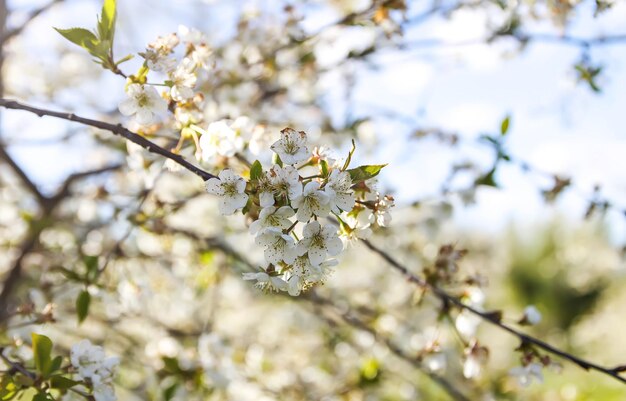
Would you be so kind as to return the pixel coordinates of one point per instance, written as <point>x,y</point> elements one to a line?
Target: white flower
<point>319,242</point>
<point>270,217</point>
<point>183,80</point>
<point>532,315</point>
<point>472,367</point>
<point>311,202</point>
<point>106,371</point>
<point>143,101</point>
<point>525,374</point>
<point>278,246</point>
<point>285,182</point>
<point>192,35</point>
<point>381,214</point>
<point>219,139</point>
<point>435,362</point>
<point>104,392</point>
<point>231,190</point>
<point>158,61</point>
<point>291,147</point>
<point>91,364</point>
<point>339,191</point>
<point>86,358</point>
<point>266,282</point>
<point>165,44</point>
<point>467,323</point>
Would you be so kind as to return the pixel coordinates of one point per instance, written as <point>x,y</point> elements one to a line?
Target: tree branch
<point>491,318</point>
<point>115,129</point>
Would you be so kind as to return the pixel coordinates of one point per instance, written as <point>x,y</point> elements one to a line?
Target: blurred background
<point>501,123</point>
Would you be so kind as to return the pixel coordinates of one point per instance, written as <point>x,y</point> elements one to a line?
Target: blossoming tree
<point>212,251</point>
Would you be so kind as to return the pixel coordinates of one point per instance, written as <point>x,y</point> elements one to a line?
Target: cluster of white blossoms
<point>180,76</point>
<point>301,208</point>
<point>95,368</point>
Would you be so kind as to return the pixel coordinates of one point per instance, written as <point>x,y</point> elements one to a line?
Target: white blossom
<point>157,61</point>
<point>319,241</point>
<point>92,365</point>
<point>285,182</point>
<point>291,147</point>
<point>183,80</point>
<point>472,367</point>
<point>192,35</point>
<point>87,358</point>
<point>532,315</point>
<point>104,392</point>
<point>525,374</point>
<point>312,201</point>
<point>219,139</point>
<point>144,102</point>
<point>467,323</point>
<point>231,190</point>
<point>338,189</point>
<point>266,282</point>
<point>271,217</point>
<point>278,246</point>
<point>382,215</point>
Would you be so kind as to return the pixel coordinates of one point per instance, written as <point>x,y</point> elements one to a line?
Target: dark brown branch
<point>115,129</point>
<point>490,317</point>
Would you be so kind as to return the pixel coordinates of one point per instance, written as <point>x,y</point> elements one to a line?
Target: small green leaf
<point>504,127</point>
<point>106,22</point>
<point>40,397</point>
<point>256,170</point>
<point>124,59</point>
<point>488,179</point>
<point>62,382</point>
<point>276,160</point>
<point>91,263</point>
<point>363,173</point>
<point>324,166</point>
<point>42,348</point>
<point>81,37</point>
<point>56,363</point>
<point>82,305</point>
<point>349,159</point>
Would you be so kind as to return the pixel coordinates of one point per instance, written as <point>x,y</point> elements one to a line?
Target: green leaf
<point>81,37</point>
<point>363,173</point>
<point>40,397</point>
<point>62,382</point>
<point>42,348</point>
<point>324,166</point>
<point>276,160</point>
<point>488,179</point>
<point>106,22</point>
<point>349,158</point>
<point>504,127</point>
<point>256,170</point>
<point>91,263</point>
<point>82,305</point>
<point>56,363</point>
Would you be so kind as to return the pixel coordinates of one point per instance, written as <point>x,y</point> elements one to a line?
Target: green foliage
<point>256,170</point>
<point>42,349</point>
<point>362,173</point>
<point>82,305</point>
<point>98,44</point>
<point>504,126</point>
